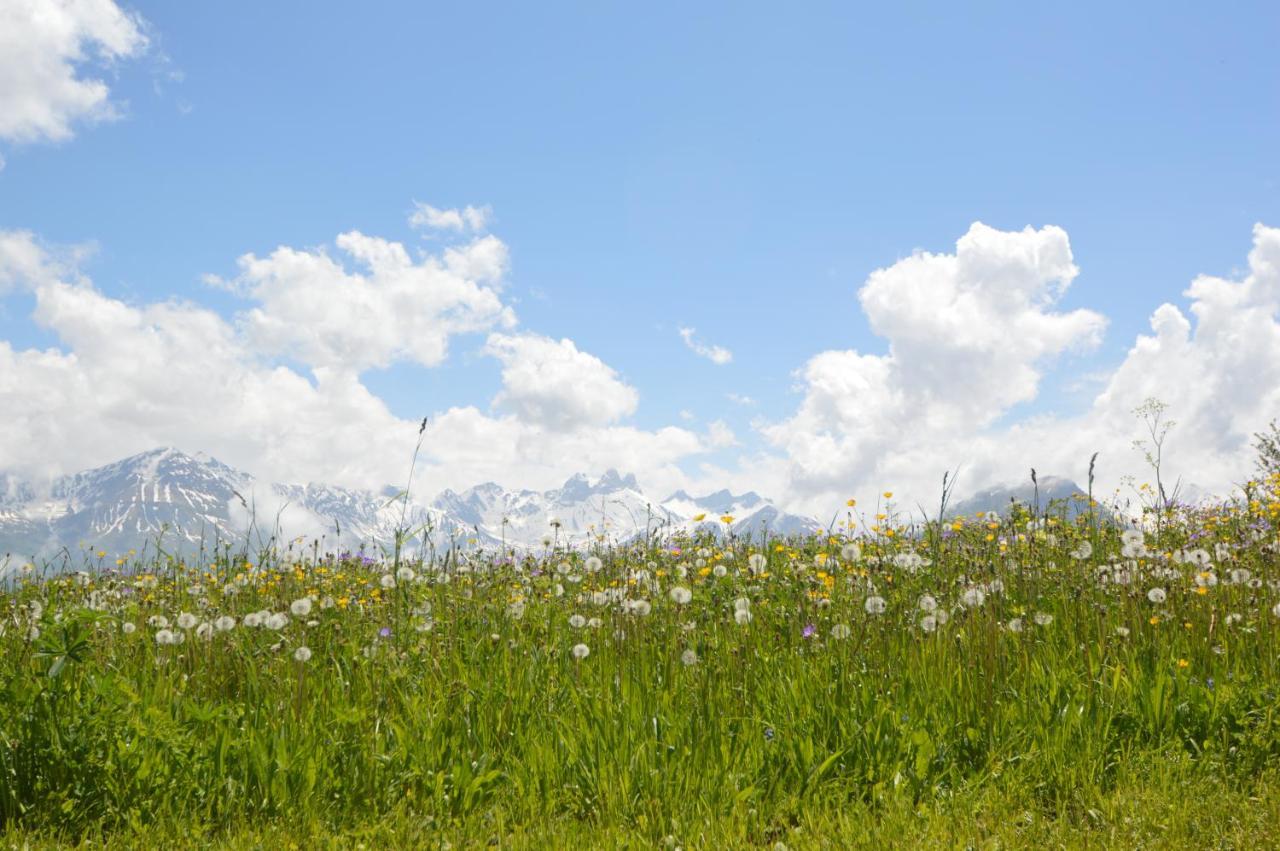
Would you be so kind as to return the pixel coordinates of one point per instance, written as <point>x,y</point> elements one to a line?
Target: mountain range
<point>181,500</point>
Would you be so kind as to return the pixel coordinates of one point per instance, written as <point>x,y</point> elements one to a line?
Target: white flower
<point>1015,625</point>
<point>851,552</point>
<point>995,586</point>
<point>1122,631</point>
<point>1083,551</point>
<point>841,631</point>
<point>164,637</point>
<point>742,616</point>
<point>405,574</point>
<point>756,563</point>
<point>875,605</point>
<point>302,654</point>
<point>301,607</point>
<point>640,607</point>
<point>128,628</point>
<point>204,630</point>
<point>681,595</point>
<point>1198,557</point>
<point>928,623</point>
<point>186,620</point>
<point>580,651</point>
<point>563,568</point>
<point>1207,579</point>
<point>516,610</point>
<point>328,603</point>
<point>546,540</point>
<point>1156,595</point>
<point>1132,537</point>
<point>1275,610</point>
<point>253,619</point>
<point>973,598</point>
<point>387,581</point>
<point>1240,576</point>
<point>224,623</point>
<point>742,604</point>
<point>910,562</point>
<point>1233,618</point>
<point>1042,618</point>
<point>279,620</point>
<point>928,603</point>
<point>592,564</point>
<point>577,621</point>
<point>719,571</point>
<point>689,658</point>
<point>158,621</point>
<point>595,623</point>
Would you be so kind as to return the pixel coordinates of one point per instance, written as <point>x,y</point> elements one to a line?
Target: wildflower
<point>385,632</point>
<point>757,563</point>
<point>689,658</point>
<point>1132,537</point>
<point>726,519</point>
<point>301,607</point>
<point>875,605</point>
<point>164,637</point>
<point>277,621</point>
<point>1275,610</point>
<point>405,574</point>
<point>1122,631</point>
<point>577,621</point>
<point>640,607</point>
<point>1082,551</point>
<point>224,623</point>
<point>595,623</point>
<point>851,552</point>
<point>581,651</point>
<point>592,565</point>
<point>742,616</point>
<point>1042,618</point>
<point>204,630</point>
<point>840,631</point>
<point>253,619</point>
<point>387,581</point>
<point>742,604</point>
<point>681,595</point>
<point>1206,579</point>
<point>928,623</point>
<point>302,654</point>
<point>516,609</point>
<point>1182,663</point>
<point>973,598</point>
<point>720,571</point>
<point>186,620</point>
<point>1157,595</point>
<point>1240,576</point>
<point>1233,619</point>
<point>128,628</point>
<point>1014,625</point>
<point>809,631</point>
<point>155,621</point>
<point>928,603</point>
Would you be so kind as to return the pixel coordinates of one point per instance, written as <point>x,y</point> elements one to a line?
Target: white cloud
<point>44,45</point>
<point>555,385</point>
<point>716,354</point>
<point>469,218</point>
<point>970,335</point>
<point>740,399</point>
<point>390,308</point>
<point>126,378</point>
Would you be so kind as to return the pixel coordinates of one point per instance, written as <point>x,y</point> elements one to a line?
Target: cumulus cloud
<point>44,46</point>
<point>970,336</point>
<point>555,385</point>
<point>716,354</point>
<point>125,378</point>
<point>469,218</point>
<point>380,308</point>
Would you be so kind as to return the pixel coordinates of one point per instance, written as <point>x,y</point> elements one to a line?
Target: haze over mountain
<point>182,500</point>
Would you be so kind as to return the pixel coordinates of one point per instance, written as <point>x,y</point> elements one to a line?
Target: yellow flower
<point>1154,620</point>
<point>726,519</point>
<point>851,503</point>
<point>1182,663</point>
<point>697,518</point>
<point>888,494</point>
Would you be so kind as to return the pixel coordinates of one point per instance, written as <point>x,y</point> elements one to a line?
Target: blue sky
<point>736,168</point>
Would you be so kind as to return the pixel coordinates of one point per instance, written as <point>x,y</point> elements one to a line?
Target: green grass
<point>471,722</point>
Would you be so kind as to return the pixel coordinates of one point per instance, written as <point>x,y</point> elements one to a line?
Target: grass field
<point>1027,681</point>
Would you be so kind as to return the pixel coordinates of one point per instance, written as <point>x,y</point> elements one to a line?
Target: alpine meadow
<point>680,426</point>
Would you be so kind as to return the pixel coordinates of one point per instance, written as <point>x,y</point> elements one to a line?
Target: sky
<point>813,250</point>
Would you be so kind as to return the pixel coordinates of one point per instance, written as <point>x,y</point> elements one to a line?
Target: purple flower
<point>809,630</point>
<point>385,632</point>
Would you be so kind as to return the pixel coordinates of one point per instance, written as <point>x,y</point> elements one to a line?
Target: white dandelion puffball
<point>279,620</point>
<point>1157,595</point>
<point>204,630</point>
<point>577,621</point>
<point>1042,618</point>
<point>1122,631</point>
<point>742,617</point>
<point>841,631</point>
<point>689,658</point>
<point>851,552</point>
<point>1207,579</point>
<point>592,565</point>
<point>875,605</point>
<point>1275,610</point>
<point>1240,576</point>
<point>405,574</point>
<point>581,651</point>
<point>928,603</point>
<point>757,563</point>
<point>1132,537</point>
<point>164,637</point>
<point>595,623</point>
<point>155,621</point>
<point>742,604</point>
<point>1083,551</point>
<point>563,568</point>
<point>128,628</point>
<point>719,571</point>
<point>928,623</point>
<point>973,598</point>
<point>681,595</point>
<point>301,607</point>
<point>186,620</point>
<point>387,581</point>
<point>253,619</point>
<point>640,607</point>
<point>1015,625</point>
<point>224,623</point>
<point>516,610</point>
<point>302,654</point>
